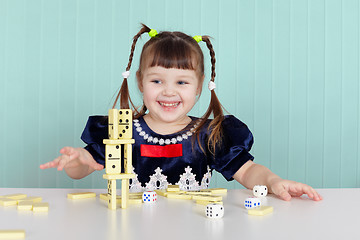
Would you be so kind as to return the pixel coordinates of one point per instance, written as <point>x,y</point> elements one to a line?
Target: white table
<point>336,217</point>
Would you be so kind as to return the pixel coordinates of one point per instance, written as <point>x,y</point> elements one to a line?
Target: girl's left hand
<point>286,189</point>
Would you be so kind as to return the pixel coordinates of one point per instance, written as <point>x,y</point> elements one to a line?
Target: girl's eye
<point>182,82</point>
<point>156,81</point>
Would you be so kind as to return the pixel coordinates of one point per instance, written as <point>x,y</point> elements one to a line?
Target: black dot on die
<point>120,112</point>
<point>127,127</point>
<point>120,120</point>
<point>120,135</point>
<point>127,112</point>
<point>110,155</point>
<point>117,146</point>
<point>123,131</point>
<point>113,166</point>
<point>127,120</point>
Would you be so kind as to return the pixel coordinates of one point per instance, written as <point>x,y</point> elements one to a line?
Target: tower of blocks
<point>118,155</point>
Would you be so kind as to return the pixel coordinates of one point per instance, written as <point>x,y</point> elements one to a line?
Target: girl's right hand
<point>72,158</point>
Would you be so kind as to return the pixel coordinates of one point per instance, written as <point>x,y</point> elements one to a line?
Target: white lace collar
<point>162,141</point>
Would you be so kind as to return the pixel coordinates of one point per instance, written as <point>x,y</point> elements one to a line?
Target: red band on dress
<point>173,150</point>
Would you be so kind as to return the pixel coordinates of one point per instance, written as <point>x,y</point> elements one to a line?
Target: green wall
<point>287,68</point>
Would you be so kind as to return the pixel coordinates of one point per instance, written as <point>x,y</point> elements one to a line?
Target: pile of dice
<point>259,191</point>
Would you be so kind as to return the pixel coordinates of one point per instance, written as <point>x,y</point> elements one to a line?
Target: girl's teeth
<point>169,104</point>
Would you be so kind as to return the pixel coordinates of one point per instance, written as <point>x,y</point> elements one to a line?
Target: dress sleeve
<point>95,131</point>
<point>234,149</point>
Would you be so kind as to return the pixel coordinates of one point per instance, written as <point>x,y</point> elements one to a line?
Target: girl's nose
<point>169,91</point>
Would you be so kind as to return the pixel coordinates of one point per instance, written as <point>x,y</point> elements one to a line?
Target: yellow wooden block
<point>176,195</point>
<point>136,194</point>
<point>81,195</point>
<point>33,199</point>
<point>215,190</point>
<point>16,196</point>
<point>113,123</point>
<point>111,196</point>
<point>173,188</point>
<point>7,202</point>
<point>41,207</point>
<point>112,159</point>
<point>207,197</point>
<point>119,176</point>
<point>125,124</point>
<point>128,167</point>
<point>25,205</point>
<point>124,193</point>
<point>260,211</point>
<point>12,234</point>
<point>198,193</point>
<point>205,203</point>
<point>133,199</point>
<point>161,192</point>
<point>118,141</point>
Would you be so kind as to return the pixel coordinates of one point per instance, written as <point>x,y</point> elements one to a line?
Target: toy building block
<point>111,194</point>
<point>124,193</point>
<point>119,176</point>
<point>33,199</point>
<point>25,205</point>
<point>12,234</point>
<point>16,196</point>
<point>128,158</point>
<point>205,203</point>
<point>173,188</point>
<point>136,194</point>
<point>7,202</point>
<point>112,159</point>
<point>213,198</point>
<point>113,124</point>
<point>261,211</point>
<point>161,192</point>
<point>133,199</point>
<point>176,195</point>
<point>198,193</point>
<point>125,124</point>
<point>41,207</point>
<point>81,195</point>
<point>215,190</point>
<point>118,141</point>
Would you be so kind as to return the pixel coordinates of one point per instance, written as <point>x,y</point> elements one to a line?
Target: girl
<point>170,146</point>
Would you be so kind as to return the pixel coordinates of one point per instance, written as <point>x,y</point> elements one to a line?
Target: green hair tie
<point>197,38</point>
<point>153,33</point>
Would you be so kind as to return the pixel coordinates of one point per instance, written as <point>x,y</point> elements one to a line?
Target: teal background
<point>288,68</point>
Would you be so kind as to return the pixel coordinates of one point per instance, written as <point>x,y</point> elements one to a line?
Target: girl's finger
<point>64,160</point>
<point>51,164</point>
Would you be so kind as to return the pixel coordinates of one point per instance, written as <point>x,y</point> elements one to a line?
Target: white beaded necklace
<point>162,141</point>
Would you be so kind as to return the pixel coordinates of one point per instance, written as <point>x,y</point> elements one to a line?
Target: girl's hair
<point>176,50</point>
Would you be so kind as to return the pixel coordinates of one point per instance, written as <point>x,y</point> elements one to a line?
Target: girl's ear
<point>199,89</point>
<point>139,81</point>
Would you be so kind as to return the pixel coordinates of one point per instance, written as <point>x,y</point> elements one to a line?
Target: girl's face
<point>169,93</point>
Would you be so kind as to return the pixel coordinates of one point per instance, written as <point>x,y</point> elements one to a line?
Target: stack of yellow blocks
<point>203,197</point>
<point>24,203</point>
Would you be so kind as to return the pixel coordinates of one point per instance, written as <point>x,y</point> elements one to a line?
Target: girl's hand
<point>286,189</point>
<point>72,158</point>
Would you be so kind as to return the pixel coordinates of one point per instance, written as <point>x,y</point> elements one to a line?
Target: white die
<point>214,210</point>
<point>260,191</point>
<point>149,197</point>
<point>252,202</point>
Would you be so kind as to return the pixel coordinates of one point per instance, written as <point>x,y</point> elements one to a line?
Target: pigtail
<point>215,108</point>
<point>124,90</point>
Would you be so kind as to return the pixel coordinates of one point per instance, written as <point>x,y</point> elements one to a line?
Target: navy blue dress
<point>159,160</point>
